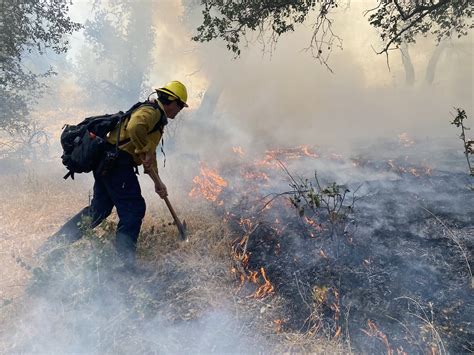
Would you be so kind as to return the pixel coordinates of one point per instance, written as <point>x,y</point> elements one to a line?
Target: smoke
<point>287,98</point>
<point>82,299</point>
<point>284,97</point>
<point>258,101</point>
<point>403,248</point>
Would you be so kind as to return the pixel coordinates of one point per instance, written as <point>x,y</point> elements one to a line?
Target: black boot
<point>126,249</point>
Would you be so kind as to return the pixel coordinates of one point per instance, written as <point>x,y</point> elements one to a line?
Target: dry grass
<point>209,284</point>
<point>32,206</point>
<point>183,284</point>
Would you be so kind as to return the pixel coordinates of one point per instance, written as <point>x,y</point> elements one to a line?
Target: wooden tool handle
<point>173,213</point>
<point>182,232</point>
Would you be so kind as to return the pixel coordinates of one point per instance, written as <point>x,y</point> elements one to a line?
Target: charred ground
<point>393,273</point>
<point>261,273</point>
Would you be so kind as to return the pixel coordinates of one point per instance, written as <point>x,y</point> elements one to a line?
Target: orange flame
<point>241,256</point>
<point>238,150</point>
<point>314,224</point>
<point>247,225</point>
<point>373,331</point>
<point>253,277</point>
<point>266,289</point>
<point>307,152</point>
<point>272,156</point>
<point>410,170</point>
<point>208,185</point>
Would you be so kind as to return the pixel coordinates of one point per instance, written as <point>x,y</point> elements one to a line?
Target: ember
<point>415,171</point>
<point>289,242</point>
<point>317,228</point>
<point>241,257</point>
<point>273,156</point>
<point>365,259</point>
<point>373,331</point>
<point>399,167</point>
<point>266,288</point>
<point>209,184</point>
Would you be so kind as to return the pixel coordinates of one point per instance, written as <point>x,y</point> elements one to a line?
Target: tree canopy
<point>116,61</point>
<point>397,21</point>
<point>28,28</point>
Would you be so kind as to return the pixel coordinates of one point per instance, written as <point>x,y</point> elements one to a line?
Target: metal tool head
<point>183,231</point>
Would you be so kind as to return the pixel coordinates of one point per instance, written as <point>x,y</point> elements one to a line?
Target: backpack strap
<point>158,127</point>
<point>69,174</point>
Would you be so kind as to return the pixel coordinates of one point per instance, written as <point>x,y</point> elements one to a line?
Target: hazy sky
<point>287,97</point>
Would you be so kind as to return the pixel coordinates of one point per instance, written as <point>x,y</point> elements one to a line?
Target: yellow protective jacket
<point>137,128</point>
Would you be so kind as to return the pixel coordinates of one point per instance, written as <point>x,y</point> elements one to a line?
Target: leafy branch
<point>231,21</point>
<point>468,144</point>
<point>332,200</point>
<point>397,21</point>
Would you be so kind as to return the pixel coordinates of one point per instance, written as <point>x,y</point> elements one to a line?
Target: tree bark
<point>408,65</point>
<point>431,67</point>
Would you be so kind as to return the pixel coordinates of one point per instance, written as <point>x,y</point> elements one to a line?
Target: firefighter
<point>120,187</point>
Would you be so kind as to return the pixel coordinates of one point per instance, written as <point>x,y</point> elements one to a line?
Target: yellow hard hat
<point>177,90</point>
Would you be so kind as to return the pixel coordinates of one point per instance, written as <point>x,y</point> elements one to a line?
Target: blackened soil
<point>404,267</point>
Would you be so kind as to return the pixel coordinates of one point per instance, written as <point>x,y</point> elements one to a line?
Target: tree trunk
<point>431,67</point>
<point>408,65</point>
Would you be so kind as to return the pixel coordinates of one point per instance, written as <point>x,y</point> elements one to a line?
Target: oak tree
<point>397,21</point>
<point>28,28</point>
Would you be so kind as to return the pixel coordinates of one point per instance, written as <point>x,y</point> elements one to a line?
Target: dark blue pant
<point>119,188</point>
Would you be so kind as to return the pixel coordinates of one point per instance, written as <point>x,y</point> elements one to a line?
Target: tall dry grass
<point>181,284</point>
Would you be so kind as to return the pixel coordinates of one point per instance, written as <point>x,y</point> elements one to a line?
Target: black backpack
<point>84,144</point>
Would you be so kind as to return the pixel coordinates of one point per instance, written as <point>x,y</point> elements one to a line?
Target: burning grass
<point>274,263</point>
<point>79,298</point>
<point>380,270</point>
